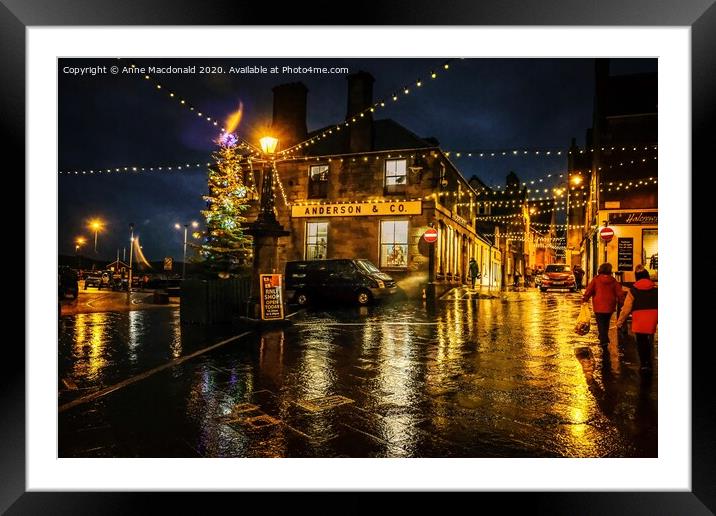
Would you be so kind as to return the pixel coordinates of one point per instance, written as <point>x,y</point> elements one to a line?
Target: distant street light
<point>79,242</point>
<point>194,224</point>
<point>96,225</point>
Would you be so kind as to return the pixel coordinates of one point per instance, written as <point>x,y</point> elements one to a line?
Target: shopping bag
<point>582,326</point>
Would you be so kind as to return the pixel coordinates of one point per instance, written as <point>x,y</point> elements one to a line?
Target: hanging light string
<point>624,185</point>
<point>545,152</point>
<point>399,93</point>
<point>625,163</point>
<point>520,214</point>
<point>137,169</point>
<point>557,226</point>
<point>183,102</point>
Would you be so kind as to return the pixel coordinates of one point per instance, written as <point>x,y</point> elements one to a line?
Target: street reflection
<point>505,376</point>
<point>89,354</point>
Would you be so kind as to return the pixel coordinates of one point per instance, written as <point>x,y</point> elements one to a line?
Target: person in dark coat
<point>578,275</point>
<point>606,293</point>
<point>474,271</point>
<point>641,303</point>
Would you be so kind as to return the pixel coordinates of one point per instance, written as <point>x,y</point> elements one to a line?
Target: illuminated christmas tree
<point>226,249</point>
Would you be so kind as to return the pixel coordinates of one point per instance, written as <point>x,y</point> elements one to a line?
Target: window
<point>650,249</point>
<point>318,181</point>
<point>316,240</point>
<point>395,176</point>
<point>394,243</point>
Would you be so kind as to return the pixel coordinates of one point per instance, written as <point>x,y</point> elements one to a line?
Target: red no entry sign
<point>431,235</point>
<point>606,234</point>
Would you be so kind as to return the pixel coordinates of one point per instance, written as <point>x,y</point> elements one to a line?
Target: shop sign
<point>168,263</point>
<point>625,254</point>
<point>358,209</point>
<point>640,218</point>
<point>271,296</point>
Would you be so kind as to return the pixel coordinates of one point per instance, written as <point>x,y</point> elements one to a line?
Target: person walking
<point>578,275</point>
<point>641,302</point>
<point>528,276</point>
<point>474,271</point>
<point>605,292</point>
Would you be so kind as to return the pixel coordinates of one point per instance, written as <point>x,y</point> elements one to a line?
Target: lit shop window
<point>650,249</point>
<point>394,243</point>
<point>316,240</point>
<point>395,176</point>
<point>318,181</point>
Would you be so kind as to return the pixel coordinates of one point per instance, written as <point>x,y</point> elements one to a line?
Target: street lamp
<point>266,214</point>
<point>266,229</point>
<point>194,224</point>
<point>131,248</point>
<point>96,225</point>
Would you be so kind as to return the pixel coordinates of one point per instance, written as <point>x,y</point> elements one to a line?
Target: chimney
<point>360,98</point>
<point>289,113</point>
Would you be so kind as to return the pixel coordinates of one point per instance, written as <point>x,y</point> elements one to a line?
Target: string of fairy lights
<point>545,152</point>
<point>397,94</point>
<point>137,169</point>
<point>254,155</point>
<point>182,101</point>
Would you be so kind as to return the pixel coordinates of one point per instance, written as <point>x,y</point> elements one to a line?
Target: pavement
<point>471,376</point>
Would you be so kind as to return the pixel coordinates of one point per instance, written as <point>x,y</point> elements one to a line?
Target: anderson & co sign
<point>358,209</point>
<point>640,218</point>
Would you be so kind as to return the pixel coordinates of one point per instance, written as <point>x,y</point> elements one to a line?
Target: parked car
<point>68,283</point>
<point>557,276</point>
<point>98,279</point>
<point>356,281</point>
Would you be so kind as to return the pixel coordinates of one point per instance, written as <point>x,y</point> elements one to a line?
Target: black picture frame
<point>700,15</point>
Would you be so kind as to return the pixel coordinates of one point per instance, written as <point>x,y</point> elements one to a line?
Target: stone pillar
<point>265,259</point>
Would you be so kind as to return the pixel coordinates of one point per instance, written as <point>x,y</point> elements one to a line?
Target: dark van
<point>355,281</point>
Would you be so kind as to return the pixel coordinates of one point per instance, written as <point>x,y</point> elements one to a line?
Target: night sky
<point>108,121</point>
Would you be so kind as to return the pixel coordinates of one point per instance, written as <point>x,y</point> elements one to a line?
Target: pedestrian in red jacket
<point>606,293</point>
<point>641,302</point>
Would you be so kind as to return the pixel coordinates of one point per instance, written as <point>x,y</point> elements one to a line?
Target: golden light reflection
<point>91,337</point>
<point>271,356</point>
<point>176,346</point>
<point>398,379</point>
<point>136,325</point>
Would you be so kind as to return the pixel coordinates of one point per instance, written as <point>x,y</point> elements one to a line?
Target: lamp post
<point>131,248</point>
<point>266,229</point>
<point>194,224</point>
<point>575,180</point>
<point>95,225</point>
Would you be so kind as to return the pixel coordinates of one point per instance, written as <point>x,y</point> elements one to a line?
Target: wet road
<point>502,377</point>
<point>93,300</point>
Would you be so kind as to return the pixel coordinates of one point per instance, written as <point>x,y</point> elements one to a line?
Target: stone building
<point>370,191</point>
<point>621,171</point>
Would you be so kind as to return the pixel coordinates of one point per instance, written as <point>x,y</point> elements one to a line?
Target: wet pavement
<point>489,377</point>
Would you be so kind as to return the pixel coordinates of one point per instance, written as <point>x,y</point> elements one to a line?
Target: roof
<point>387,135</point>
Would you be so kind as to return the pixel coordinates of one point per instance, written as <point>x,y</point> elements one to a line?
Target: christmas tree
<point>226,249</point>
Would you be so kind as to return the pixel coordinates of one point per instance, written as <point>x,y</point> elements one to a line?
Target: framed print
<point>295,258</point>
